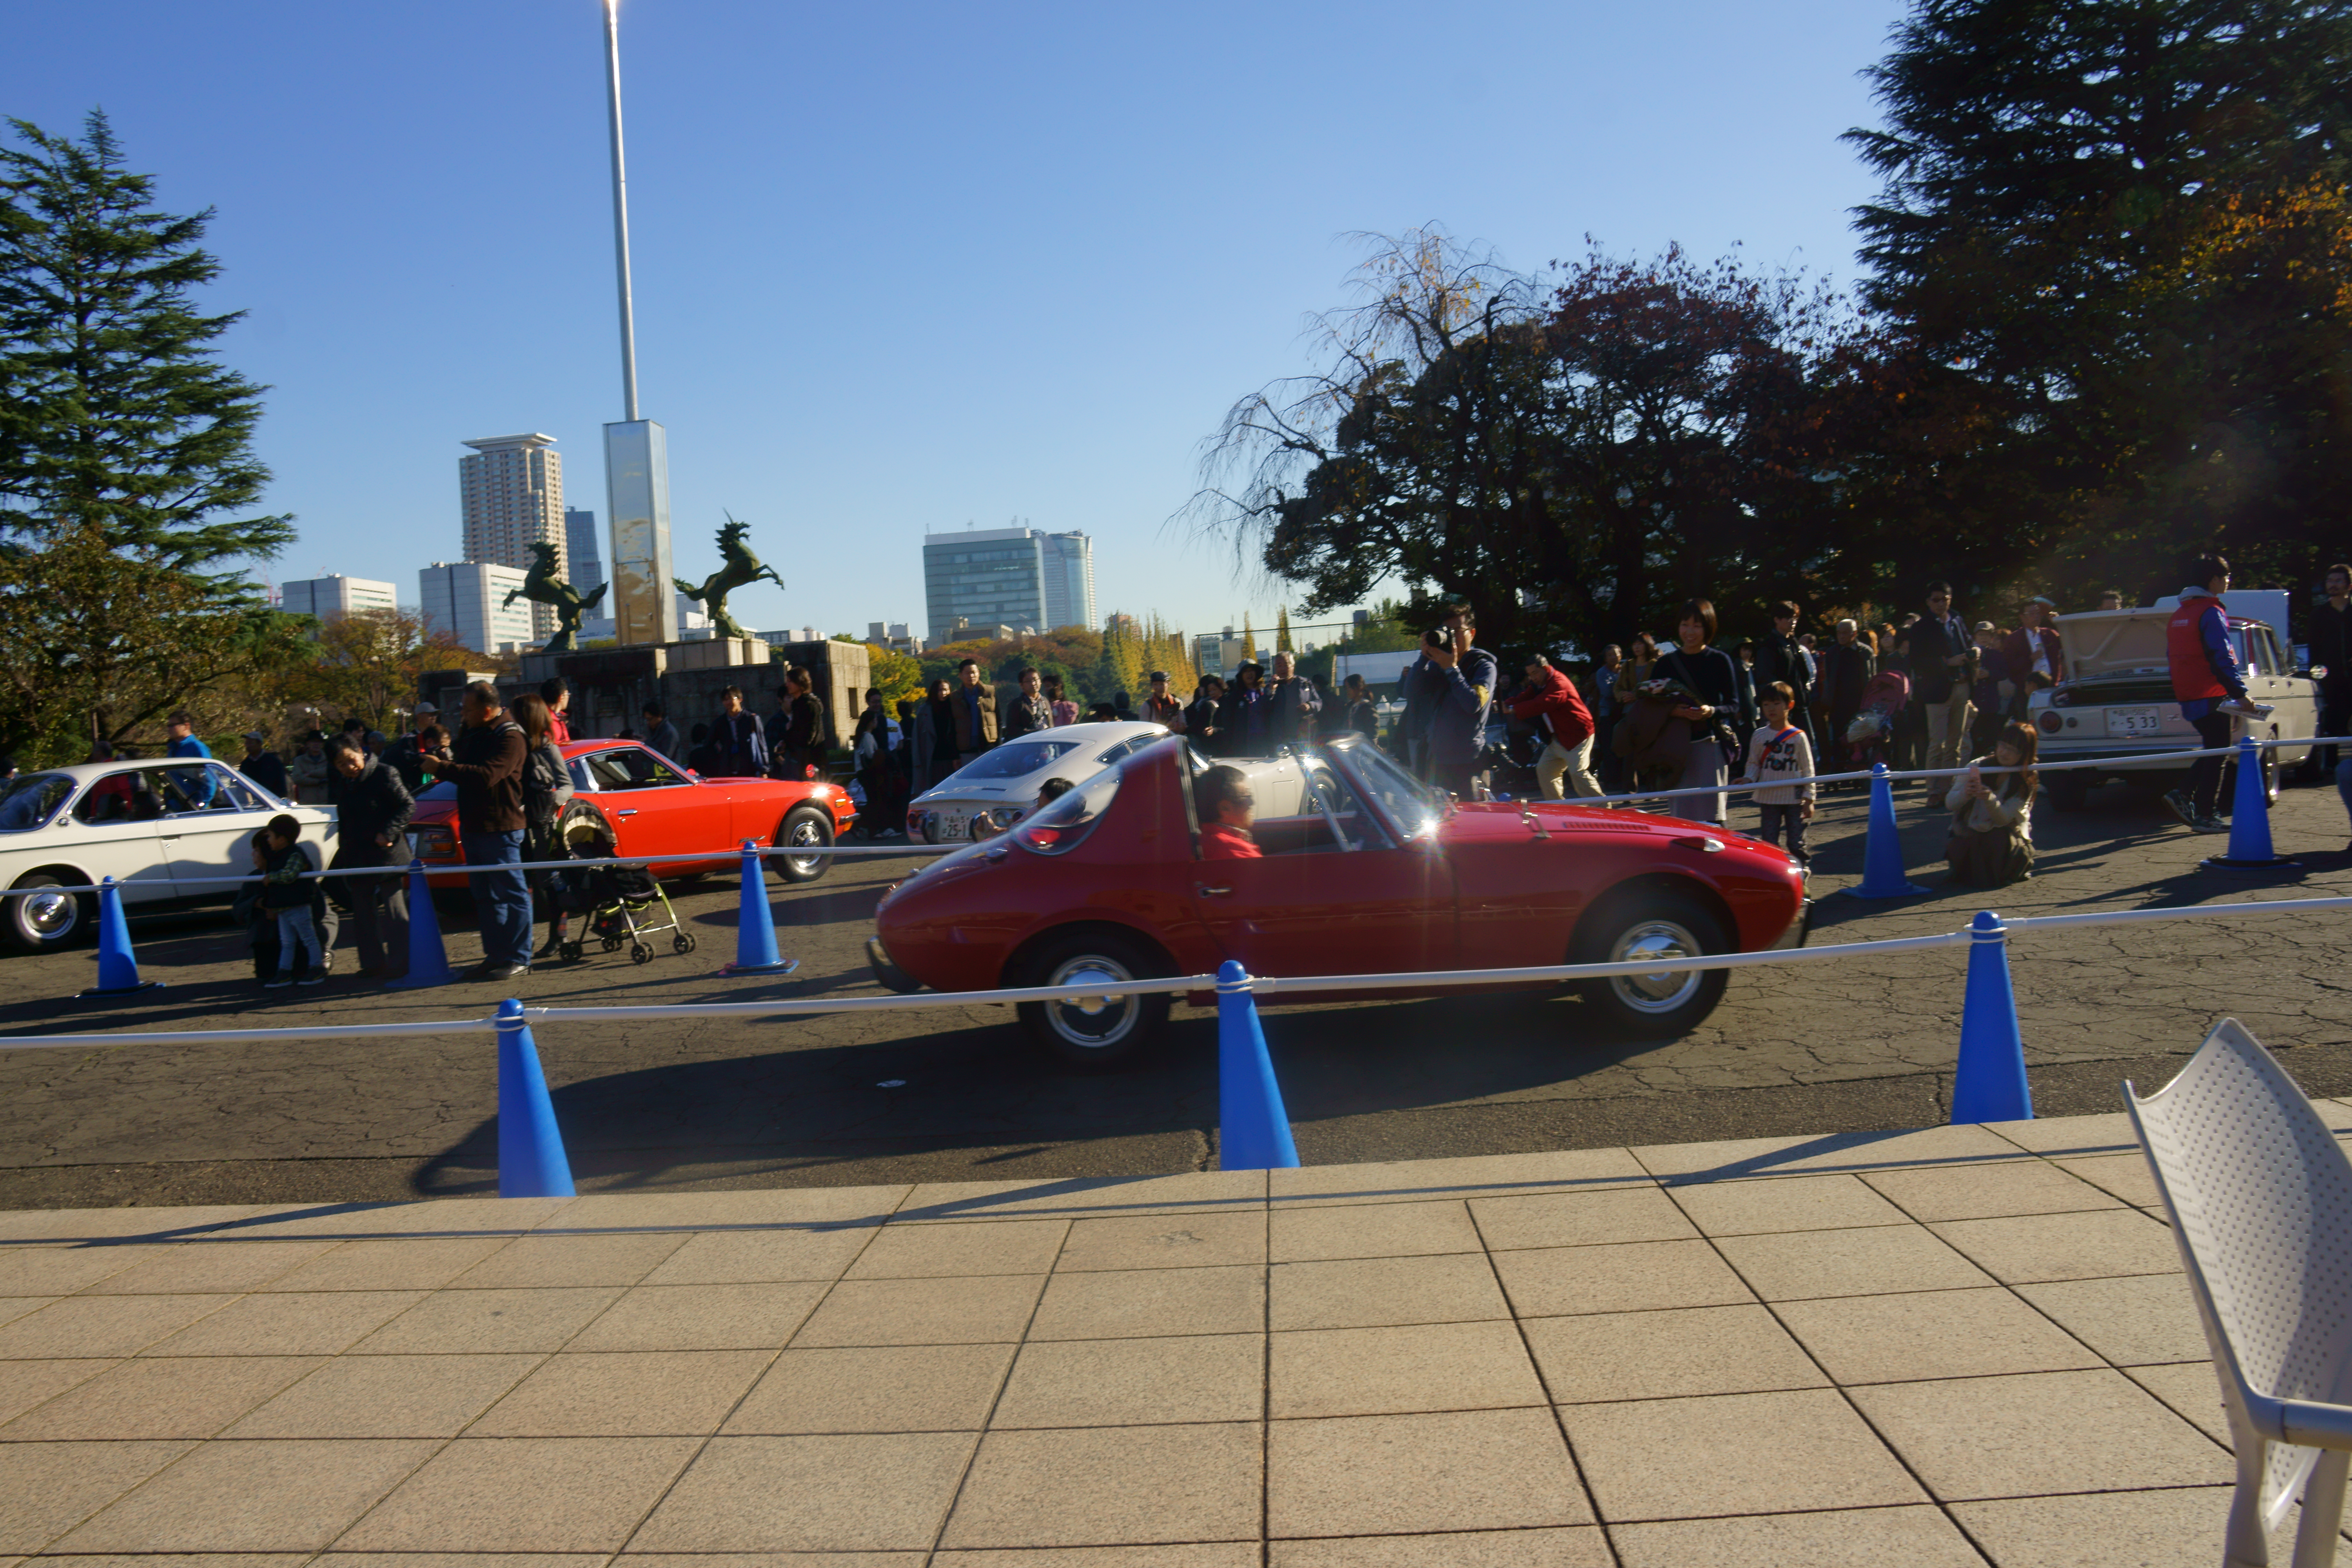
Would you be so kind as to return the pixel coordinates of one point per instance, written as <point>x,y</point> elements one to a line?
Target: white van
<point>2117,700</point>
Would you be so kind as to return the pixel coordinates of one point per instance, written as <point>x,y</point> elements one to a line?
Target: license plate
<point>2135,721</point>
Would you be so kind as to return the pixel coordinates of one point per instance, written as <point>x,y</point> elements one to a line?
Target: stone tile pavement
<point>1956,1345</point>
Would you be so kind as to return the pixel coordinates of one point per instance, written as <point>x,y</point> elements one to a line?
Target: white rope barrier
<point>769,852</point>
<point>1260,985</point>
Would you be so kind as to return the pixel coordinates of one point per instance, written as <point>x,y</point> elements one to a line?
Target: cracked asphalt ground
<point>1816,1048</point>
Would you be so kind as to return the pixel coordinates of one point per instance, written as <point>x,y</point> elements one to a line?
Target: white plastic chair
<point>2260,1198</point>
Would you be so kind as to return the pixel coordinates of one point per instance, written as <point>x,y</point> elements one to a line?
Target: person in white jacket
<point>1779,749</point>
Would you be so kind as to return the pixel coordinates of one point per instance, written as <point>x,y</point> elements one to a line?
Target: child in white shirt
<point>1779,749</point>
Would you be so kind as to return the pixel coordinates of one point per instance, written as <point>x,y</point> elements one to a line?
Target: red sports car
<point>1376,874</point>
<point>650,805</point>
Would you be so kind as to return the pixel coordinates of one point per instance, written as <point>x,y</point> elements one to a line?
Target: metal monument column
<point>636,451</point>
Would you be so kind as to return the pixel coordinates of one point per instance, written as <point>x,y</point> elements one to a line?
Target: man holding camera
<point>1457,681</point>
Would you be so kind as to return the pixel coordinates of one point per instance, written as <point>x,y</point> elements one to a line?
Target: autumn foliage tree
<point>1571,459</point>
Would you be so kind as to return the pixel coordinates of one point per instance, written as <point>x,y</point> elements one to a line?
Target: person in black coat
<point>1204,721</point>
<point>1709,674</point>
<point>371,811</point>
<point>1778,657</point>
<point>264,766</point>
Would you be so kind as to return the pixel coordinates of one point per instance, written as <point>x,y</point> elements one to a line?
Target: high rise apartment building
<point>1009,576</point>
<point>512,493</point>
<point>331,598</point>
<point>467,600</point>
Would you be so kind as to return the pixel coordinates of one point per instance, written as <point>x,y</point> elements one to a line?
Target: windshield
<point>1412,806</point>
<point>32,800</point>
<point>1061,824</point>
<point>444,789</point>
<point>1016,761</point>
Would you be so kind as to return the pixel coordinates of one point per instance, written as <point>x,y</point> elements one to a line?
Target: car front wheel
<point>803,827</point>
<point>1662,926</point>
<point>1093,1034</point>
<point>39,922</point>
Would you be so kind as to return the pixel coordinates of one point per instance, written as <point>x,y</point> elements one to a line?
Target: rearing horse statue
<point>742,567</point>
<point>544,587</point>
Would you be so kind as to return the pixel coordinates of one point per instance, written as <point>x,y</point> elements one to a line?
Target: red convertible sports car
<point>650,805</point>
<point>1377,874</point>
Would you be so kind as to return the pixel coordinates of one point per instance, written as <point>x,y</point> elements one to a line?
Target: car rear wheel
<point>1662,925</point>
<point>1093,1034</point>
<point>803,827</point>
<point>39,922</point>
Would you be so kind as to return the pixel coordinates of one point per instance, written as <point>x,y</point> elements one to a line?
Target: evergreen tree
<point>1282,629</point>
<point>123,443</point>
<point>2114,233</point>
<point>114,414</point>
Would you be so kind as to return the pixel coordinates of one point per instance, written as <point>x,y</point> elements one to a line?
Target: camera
<point>1441,638</point>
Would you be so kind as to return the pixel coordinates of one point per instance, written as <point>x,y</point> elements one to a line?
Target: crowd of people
<point>1690,714</point>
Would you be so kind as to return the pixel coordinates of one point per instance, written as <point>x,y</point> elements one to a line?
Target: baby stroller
<point>1870,737</point>
<point>617,901</point>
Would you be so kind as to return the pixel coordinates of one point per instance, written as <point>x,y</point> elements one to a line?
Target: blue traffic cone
<point>428,965</point>
<point>118,966</point>
<point>532,1163</point>
<point>1882,850</point>
<point>2250,819</point>
<point>1252,1129</point>
<point>755,927</point>
<point>1989,1082</point>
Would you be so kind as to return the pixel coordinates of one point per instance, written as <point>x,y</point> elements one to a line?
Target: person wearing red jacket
<point>1549,697</point>
<point>2211,691</point>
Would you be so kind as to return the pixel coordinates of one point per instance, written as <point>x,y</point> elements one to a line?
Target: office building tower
<point>467,600</point>
<point>512,490</point>
<point>584,556</point>
<point>1069,566</point>
<point>331,598</point>
<point>1007,576</point>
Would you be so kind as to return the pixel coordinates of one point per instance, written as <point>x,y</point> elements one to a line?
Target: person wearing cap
<point>405,757</point>
<point>262,766</point>
<point>1160,706</point>
<point>2033,657</point>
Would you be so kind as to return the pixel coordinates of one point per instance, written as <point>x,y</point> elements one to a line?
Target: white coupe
<point>996,789</point>
<point>158,828</point>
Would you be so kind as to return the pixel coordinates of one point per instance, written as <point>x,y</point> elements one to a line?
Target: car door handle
<point>632,811</point>
<point>1208,892</point>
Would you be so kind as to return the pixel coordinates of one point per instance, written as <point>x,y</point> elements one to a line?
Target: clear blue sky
<point>900,268</point>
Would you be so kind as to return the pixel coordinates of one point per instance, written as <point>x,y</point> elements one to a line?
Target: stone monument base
<point>610,686</point>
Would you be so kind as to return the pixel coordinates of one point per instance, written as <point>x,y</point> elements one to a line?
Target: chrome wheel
<point>805,835</point>
<point>1092,1023</point>
<point>50,918</point>
<point>1662,990</point>
<point>50,915</point>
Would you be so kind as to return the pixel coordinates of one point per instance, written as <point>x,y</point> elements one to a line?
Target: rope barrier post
<point>2250,820</point>
<point>428,961</point>
<point>1882,848</point>
<point>755,927</point>
<point>118,966</point>
<point>1989,1082</point>
<point>1253,1128</point>
<point>532,1163</point>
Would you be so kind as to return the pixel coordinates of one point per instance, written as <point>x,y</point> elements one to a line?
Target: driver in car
<point>1227,809</point>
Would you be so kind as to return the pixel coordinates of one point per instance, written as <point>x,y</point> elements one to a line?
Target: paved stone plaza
<point>1947,1347</point>
<point>1855,1045</point>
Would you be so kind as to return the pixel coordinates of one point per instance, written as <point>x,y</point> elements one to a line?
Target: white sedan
<point>160,828</point>
<point>996,789</point>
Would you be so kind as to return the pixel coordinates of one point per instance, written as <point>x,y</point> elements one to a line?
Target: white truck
<point>2116,699</point>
